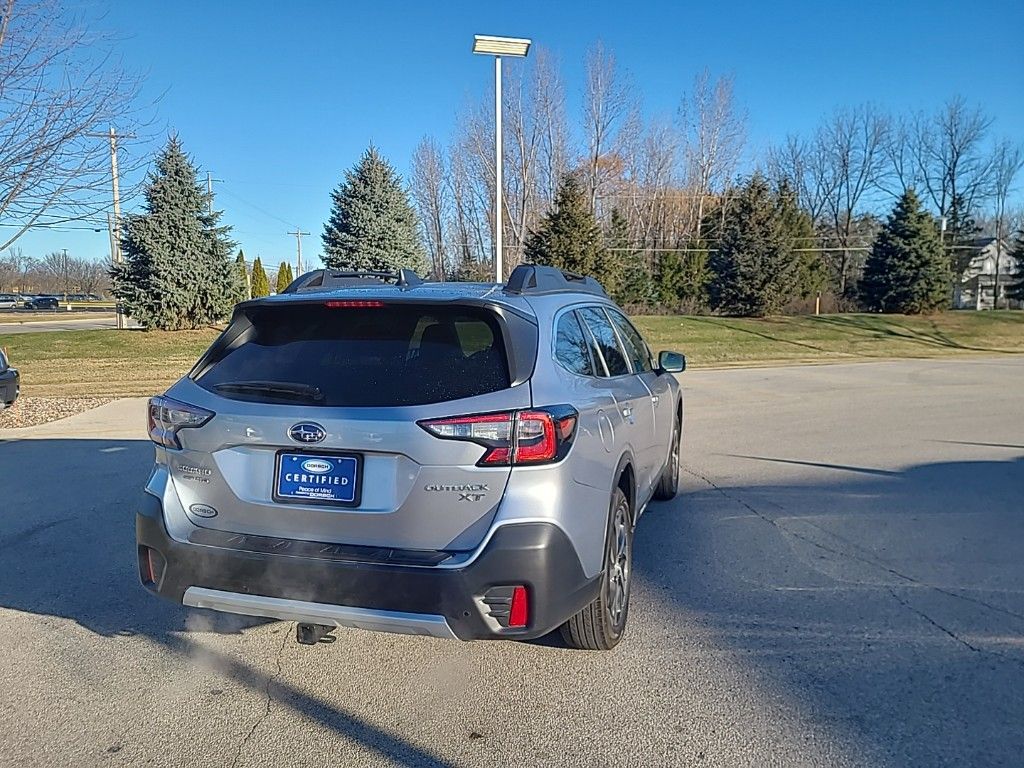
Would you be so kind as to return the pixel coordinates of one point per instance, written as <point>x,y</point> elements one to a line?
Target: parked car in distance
<point>42,302</point>
<point>10,382</point>
<point>460,460</point>
<point>10,301</point>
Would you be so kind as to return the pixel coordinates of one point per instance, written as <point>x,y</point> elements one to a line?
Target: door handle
<point>655,399</point>
<point>627,412</point>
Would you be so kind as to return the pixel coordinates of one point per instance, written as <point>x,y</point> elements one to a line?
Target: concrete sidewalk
<point>123,419</point>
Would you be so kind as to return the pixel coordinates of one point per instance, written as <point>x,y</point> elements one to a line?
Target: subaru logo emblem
<point>307,432</point>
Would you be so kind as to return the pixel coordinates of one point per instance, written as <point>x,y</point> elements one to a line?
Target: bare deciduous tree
<point>715,133</point>
<point>58,86</point>
<point>430,192</point>
<point>549,103</point>
<point>471,186</point>
<point>1007,160</point>
<point>947,151</point>
<point>852,146</point>
<point>610,117</point>
<point>90,277</point>
<point>801,164</point>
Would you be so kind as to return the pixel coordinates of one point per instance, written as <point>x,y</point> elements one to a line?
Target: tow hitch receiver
<point>311,634</point>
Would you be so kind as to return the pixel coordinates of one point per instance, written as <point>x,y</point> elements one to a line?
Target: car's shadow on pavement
<point>67,549</point>
<point>887,607</point>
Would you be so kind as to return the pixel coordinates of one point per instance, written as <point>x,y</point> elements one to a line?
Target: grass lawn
<point>723,341</point>
<point>104,362</point>
<point>119,363</point>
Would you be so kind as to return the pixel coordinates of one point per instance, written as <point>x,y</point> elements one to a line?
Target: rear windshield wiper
<point>285,389</point>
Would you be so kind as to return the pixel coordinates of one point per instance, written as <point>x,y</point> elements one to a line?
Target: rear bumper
<point>441,602</point>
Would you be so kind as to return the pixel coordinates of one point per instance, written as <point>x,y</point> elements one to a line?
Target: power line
<point>265,212</point>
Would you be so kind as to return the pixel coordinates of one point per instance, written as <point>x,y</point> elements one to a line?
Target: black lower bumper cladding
<point>538,556</point>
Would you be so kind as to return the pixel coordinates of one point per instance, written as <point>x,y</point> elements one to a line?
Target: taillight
<point>536,436</point>
<point>167,416</point>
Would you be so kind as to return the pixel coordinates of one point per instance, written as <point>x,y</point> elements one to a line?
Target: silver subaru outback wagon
<point>450,459</point>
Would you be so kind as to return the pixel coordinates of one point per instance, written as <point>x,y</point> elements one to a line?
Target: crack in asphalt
<point>932,621</point>
<point>266,711</point>
<point>866,560</point>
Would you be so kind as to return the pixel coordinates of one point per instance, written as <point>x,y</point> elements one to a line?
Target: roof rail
<point>534,279</point>
<point>331,279</point>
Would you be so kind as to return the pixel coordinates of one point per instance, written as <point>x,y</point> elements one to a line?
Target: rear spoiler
<point>332,279</point>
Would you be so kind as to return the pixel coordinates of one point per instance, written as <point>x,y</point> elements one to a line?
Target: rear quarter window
<point>572,347</point>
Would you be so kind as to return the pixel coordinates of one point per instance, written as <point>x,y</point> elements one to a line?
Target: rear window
<point>380,356</point>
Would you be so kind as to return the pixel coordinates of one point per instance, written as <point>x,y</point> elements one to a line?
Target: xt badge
<point>468,492</point>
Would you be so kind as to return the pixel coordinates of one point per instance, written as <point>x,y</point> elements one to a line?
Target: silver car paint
<point>228,463</point>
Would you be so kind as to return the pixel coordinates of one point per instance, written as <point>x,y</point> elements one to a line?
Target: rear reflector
<point>520,611</point>
<point>353,303</point>
<point>151,565</point>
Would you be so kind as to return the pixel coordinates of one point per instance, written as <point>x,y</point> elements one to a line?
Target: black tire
<point>668,483</point>
<point>600,625</point>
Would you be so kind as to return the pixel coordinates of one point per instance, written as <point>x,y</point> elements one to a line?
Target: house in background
<point>977,290</point>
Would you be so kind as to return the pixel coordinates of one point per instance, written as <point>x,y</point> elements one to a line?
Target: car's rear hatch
<point>315,433</point>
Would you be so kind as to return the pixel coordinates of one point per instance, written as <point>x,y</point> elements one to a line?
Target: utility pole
<point>65,274</point>
<point>114,222</point>
<point>299,234</point>
<point>209,190</point>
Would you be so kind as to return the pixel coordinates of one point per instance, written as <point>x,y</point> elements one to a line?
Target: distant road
<point>80,324</point>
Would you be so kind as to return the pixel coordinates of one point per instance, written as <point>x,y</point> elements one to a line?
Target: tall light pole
<point>498,47</point>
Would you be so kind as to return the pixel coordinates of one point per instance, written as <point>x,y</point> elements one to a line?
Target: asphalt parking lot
<point>840,583</point>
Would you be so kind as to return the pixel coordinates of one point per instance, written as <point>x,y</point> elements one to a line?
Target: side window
<point>635,346</point>
<point>614,357</point>
<point>572,347</point>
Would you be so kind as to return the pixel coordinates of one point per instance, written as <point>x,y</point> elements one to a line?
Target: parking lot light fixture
<point>497,47</point>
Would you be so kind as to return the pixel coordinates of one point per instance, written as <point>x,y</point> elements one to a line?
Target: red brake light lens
<point>512,437</point>
<point>353,303</point>
<point>535,438</point>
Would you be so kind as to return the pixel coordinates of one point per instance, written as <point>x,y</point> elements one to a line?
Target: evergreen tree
<point>284,276</point>
<point>1015,290</point>
<point>568,236</point>
<point>244,284</point>
<point>753,268</point>
<point>372,225</point>
<point>961,230</point>
<point>906,270</point>
<point>634,286</point>
<point>811,273</point>
<point>616,254</point>
<point>470,270</point>
<point>177,271</point>
<point>260,283</point>
<point>670,283</point>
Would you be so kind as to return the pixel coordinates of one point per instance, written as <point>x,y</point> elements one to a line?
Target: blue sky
<point>277,99</point>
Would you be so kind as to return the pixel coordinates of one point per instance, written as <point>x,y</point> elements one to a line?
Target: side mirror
<point>671,362</point>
